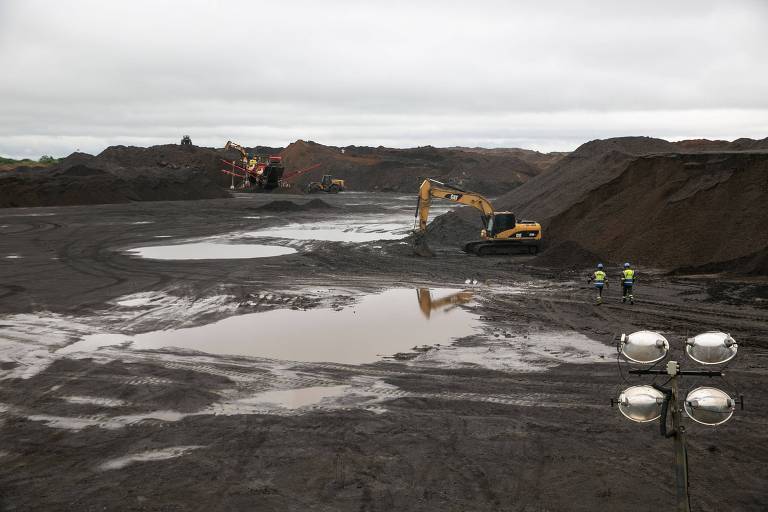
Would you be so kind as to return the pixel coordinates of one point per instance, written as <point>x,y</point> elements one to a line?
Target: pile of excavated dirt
<point>541,160</point>
<point>697,145</point>
<point>567,182</point>
<point>567,254</point>
<point>117,175</point>
<point>454,229</point>
<point>402,170</point>
<point>678,210</point>
<point>646,201</point>
<point>290,206</point>
<point>171,171</point>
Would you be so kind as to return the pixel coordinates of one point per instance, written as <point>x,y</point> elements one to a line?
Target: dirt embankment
<point>171,172</point>
<point>400,170</point>
<point>661,204</point>
<point>118,175</point>
<point>541,160</point>
<point>678,210</point>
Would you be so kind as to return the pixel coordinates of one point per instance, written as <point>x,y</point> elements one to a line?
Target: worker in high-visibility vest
<point>627,282</point>
<point>600,279</point>
<point>253,160</point>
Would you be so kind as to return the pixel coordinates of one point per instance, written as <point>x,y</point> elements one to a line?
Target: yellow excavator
<point>502,232</point>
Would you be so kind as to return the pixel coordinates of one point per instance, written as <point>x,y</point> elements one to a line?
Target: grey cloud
<point>397,73</point>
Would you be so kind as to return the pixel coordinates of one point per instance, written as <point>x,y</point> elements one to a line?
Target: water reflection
<point>384,323</point>
<point>427,304</point>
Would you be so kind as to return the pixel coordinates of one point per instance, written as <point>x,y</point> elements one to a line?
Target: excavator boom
<point>432,188</point>
<point>238,147</point>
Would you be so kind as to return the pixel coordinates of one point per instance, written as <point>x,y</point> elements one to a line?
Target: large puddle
<point>375,326</point>
<point>364,228</point>
<point>210,251</point>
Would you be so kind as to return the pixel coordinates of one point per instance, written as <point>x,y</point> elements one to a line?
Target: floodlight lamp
<point>641,403</point>
<point>644,347</point>
<point>711,347</point>
<point>709,406</point>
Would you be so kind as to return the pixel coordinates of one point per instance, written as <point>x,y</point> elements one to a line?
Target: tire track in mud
<point>286,377</point>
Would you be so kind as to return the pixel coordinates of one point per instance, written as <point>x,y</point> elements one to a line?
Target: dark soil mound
<point>455,229</point>
<point>117,175</point>
<point>636,199</point>
<point>402,170</point>
<point>698,145</point>
<point>755,263</point>
<point>81,170</point>
<point>678,210</point>
<point>568,181</point>
<point>567,254</point>
<point>317,204</point>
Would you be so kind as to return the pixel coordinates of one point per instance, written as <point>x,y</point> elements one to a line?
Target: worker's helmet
<point>599,265</point>
<point>626,265</point>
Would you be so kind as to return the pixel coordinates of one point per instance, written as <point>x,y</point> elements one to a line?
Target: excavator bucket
<point>420,246</point>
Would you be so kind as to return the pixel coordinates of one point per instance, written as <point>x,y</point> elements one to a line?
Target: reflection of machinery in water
<point>256,171</point>
<point>427,304</point>
<point>502,233</point>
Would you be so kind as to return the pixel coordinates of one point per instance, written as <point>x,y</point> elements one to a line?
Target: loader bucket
<point>420,246</point>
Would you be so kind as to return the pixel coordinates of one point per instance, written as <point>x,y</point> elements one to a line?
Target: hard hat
<point>626,265</point>
<point>599,265</point>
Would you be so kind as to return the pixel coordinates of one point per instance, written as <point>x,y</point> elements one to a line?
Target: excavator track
<point>502,247</point>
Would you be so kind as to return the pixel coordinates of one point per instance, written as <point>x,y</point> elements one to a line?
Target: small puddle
<point>210,251</point>
<point>375,326</point>
<point>363,229</point>
<point>296,398</point>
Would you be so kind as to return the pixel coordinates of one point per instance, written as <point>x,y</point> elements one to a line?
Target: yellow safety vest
<point>628,276</point>
<point>599,276</point>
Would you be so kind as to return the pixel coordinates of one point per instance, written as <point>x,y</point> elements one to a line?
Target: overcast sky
<point>546,75</point>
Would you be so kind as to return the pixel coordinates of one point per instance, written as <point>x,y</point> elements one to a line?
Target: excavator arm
<point>432,188</point>
<point>238,147</point>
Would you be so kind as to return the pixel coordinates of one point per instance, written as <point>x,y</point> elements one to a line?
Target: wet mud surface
<point>511,415</point>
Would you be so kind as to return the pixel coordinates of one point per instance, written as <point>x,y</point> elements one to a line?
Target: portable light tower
<point>705,405</point>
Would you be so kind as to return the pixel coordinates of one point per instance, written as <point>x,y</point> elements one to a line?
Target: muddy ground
<point>507,418</point>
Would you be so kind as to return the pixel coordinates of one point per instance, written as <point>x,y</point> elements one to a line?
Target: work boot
<point>599,299</point>
<point>623,299</point>
<point>631,300</point>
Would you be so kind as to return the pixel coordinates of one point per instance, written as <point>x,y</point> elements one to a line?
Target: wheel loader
<point>326,184</point>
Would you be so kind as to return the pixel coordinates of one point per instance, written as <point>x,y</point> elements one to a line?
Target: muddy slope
<point>555,190</point>
<point>647,201</point>
<point>676,210</point>
<point>401,170</point>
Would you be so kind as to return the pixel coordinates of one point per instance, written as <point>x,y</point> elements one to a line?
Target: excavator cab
<point>499,222</point>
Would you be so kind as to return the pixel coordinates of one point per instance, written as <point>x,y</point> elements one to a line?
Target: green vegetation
<point>11,163</point>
